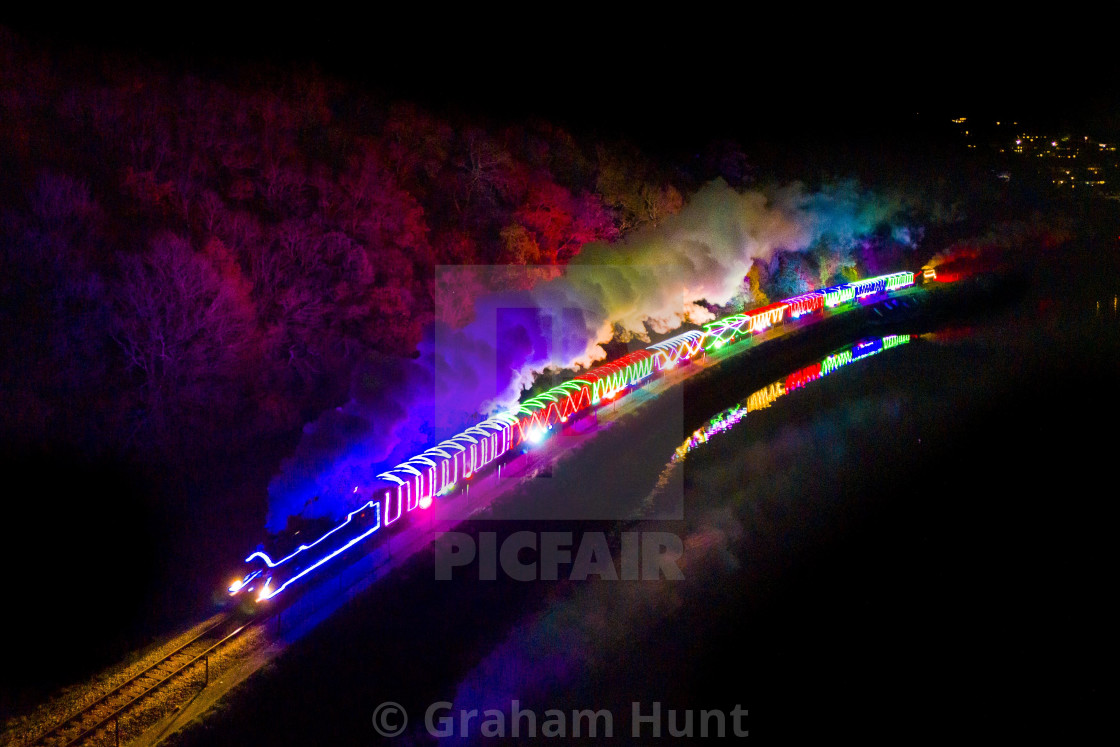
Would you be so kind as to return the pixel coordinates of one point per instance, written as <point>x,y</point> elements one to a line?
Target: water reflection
<point>766,396</point>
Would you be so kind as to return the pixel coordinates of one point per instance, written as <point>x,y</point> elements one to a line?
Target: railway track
<point>101,720</point>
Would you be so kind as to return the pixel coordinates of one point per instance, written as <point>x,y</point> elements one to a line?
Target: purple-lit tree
<point>183,331</point>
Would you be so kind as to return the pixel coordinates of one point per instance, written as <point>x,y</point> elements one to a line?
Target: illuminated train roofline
<point>806,303</point>
<point>669,353</point>
<point>267,592</point>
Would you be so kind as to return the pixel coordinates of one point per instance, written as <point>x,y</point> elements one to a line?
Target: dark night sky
<point>662,78</point>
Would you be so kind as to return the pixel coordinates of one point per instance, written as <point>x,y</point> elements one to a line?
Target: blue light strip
<point>263,597</point>
<point>264,556</point>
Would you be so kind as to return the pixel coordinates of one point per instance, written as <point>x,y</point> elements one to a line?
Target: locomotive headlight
<point>239,584</point>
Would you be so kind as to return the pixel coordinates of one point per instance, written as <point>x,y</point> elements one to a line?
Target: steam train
<point>419,482</point>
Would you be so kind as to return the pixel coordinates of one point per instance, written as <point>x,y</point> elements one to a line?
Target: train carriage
<point>679,349</point>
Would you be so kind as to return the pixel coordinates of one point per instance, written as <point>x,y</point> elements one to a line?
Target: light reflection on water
<point>767,395</point>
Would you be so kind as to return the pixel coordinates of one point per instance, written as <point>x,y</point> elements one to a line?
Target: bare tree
<point>487,171</point>
<point>180,327</point>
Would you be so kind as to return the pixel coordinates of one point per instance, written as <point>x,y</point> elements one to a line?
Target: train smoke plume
<point>653,281</point>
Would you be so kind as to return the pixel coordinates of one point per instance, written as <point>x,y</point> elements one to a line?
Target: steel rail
<point>75,717</point>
